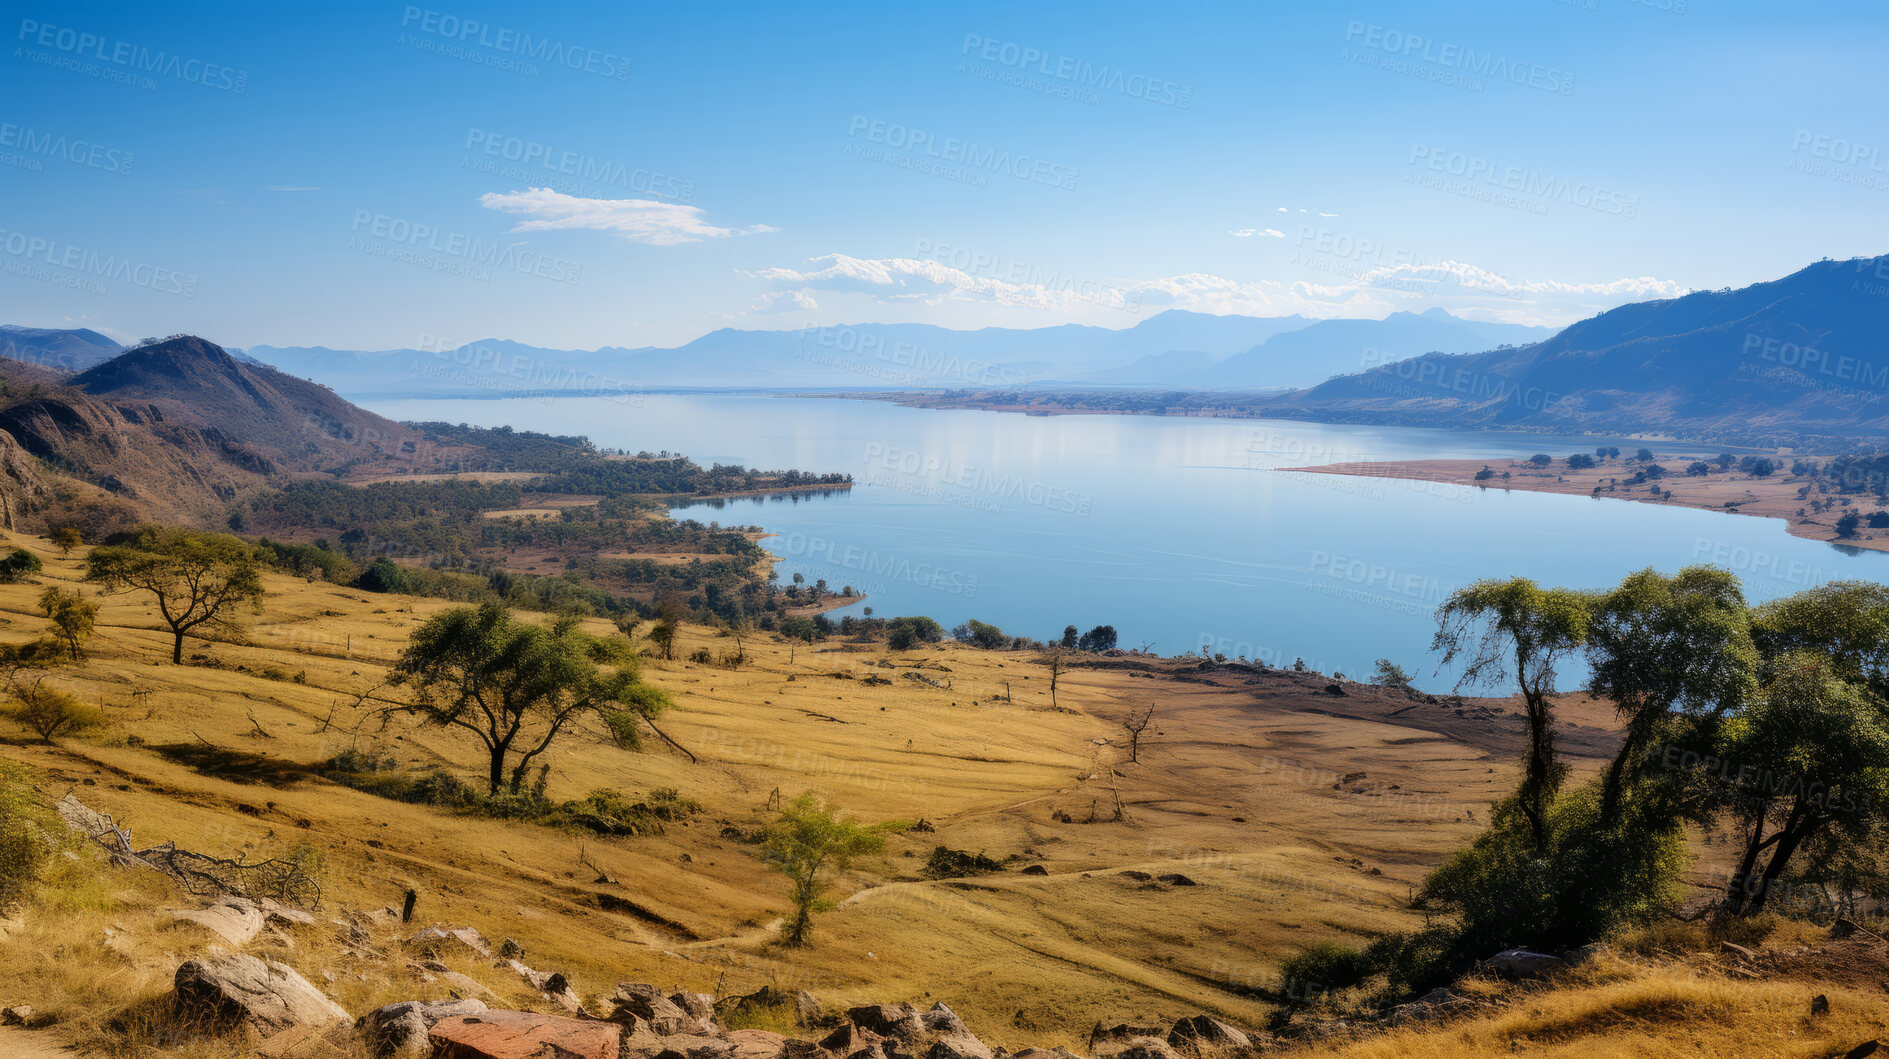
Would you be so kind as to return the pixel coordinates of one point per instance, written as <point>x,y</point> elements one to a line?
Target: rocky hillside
<point>175,431</point>
<point>1797,357</point>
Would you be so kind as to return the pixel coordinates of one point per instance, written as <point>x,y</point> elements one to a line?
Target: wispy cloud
<point>638,220</point>
<point>785,301</point>
<point>1458,286</point>
<point>904,279</point>
<point>1248,233</point>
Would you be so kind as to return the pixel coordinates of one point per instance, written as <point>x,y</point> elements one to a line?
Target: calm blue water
<point>1179,532</point>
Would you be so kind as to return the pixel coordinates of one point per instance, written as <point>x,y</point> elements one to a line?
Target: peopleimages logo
<point>133,58</point>
<point>471,32</point>
<point>1077,73</point>
<point>1449,56</point>
<point>34,144</point>
<point>961,154</point>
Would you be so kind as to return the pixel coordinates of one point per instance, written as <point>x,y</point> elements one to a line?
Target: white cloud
<point>1248,233</point>
<point>1453,285</point>
<point>784,301</point>
<point>638,220</point>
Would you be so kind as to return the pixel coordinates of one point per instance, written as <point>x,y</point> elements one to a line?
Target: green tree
<point>983,634</point>
<point>200,580</point>
<point>1071,638</point>
<point>66,538</point>
<point>663,635</point>
<point>517,685</point>
<point>1389,674</point>
<point>72,617</point>
<point>1515,629</point>
<point>1665,648</point>
<point>1100,638</point>
<point>1810,755</point>
<point>807,842</point>
<point>383,575</point>
<point>1847,524</point>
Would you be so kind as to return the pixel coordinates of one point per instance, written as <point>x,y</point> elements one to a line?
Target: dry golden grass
<point>1621,1009</point>
<point>1235,789</point>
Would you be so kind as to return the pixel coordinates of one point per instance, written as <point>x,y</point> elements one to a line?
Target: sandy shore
<point>1775,496</point>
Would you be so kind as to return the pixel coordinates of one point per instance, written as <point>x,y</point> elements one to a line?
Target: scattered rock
<point>17,1015</point>
<point>434,938</point>
<point>1201,1034</point>
<point>521,1035</point>
<point>264,996</point>
<point>234,919</point>
<point>808,1012</point>
<point>401,1029</point>
<point>1106,1040</point>
<point>1177,879</point>
<point>509,949</point>
<point>1819,1005</point>
<point>1138,876</point>
<point>640,1004</point>
<point>1036,869</point>
<point>1520,963</point>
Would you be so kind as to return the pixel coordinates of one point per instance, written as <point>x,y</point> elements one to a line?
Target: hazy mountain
<point>73,349</point>
<point>846,356</point>
<point>1799,355</point>
<point>1321,350</point>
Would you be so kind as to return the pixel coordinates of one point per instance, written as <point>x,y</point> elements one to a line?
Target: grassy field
<point>1301,816</point>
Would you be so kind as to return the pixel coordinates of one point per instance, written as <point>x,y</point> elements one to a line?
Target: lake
<point>1181,533</point>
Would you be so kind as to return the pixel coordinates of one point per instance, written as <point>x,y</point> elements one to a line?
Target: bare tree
<point>1137,723</point>
<point>1057,660</point>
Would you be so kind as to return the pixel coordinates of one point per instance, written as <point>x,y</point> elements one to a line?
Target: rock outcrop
<point>260,995</point>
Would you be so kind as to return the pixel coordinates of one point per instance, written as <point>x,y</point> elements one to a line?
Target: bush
<point>902,634</point>
<point>1586,882</point>
<point>1324,968</point>
<point>981,634</point>
<point>30,833</point>
<point>956,863</point>
<point>53,713</point>
<point>383,575</point>
<point>18,565</point>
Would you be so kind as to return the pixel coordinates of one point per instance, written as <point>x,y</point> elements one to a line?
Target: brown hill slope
<point>294,423</point>
<point>174,432</point>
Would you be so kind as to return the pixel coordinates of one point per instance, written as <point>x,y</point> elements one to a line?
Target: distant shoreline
<point>1774,496</point>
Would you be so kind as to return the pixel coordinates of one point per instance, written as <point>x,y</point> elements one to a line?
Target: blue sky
<point>379,175</point>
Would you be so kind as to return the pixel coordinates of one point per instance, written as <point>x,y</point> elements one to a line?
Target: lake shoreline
<point>1773,496</point>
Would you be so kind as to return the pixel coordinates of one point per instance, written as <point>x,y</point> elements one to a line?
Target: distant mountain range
<point>1174,348</point>
<point>1806,355</point>
<point>71,350</point>
<point>1796,358</point>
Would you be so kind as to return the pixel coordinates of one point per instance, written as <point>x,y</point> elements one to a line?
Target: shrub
<point>30,833</point>
<point>18,565</point>
<point>1584,883</point>
<point>1323,968</point>
<point>53,713</point>
<point>956,863</point>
